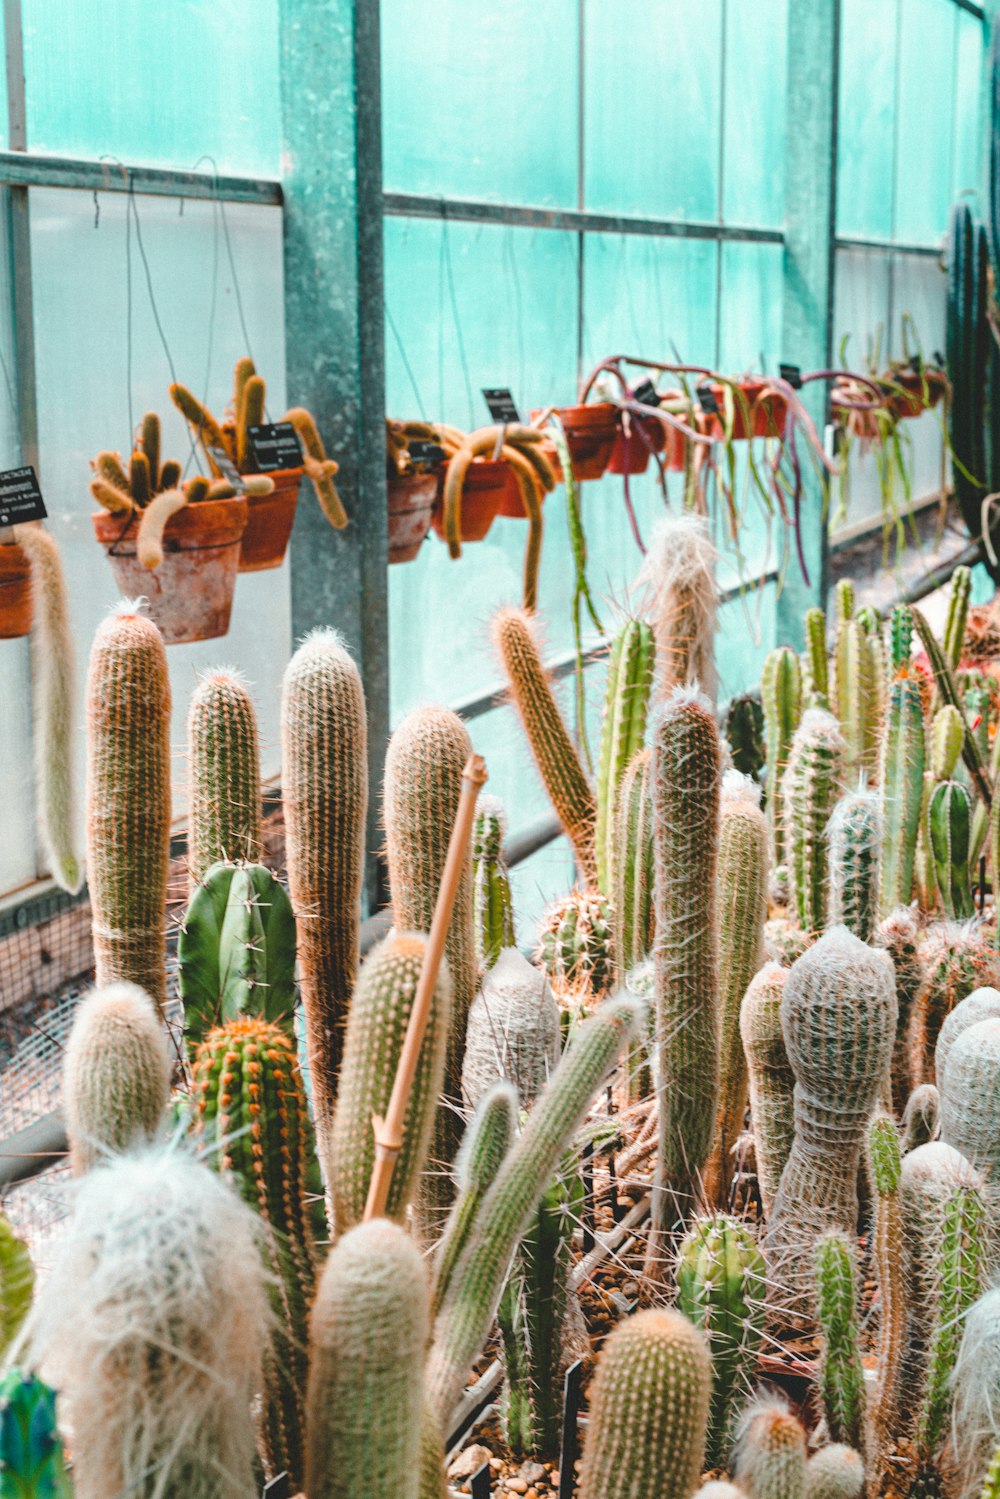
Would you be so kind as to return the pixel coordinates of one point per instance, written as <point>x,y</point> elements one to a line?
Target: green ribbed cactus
<point>128,801</point>
<point>721,1286</point>
<point>920,1118</point>
<point>494,909</point>
<point>557,760</point>
<point>686,788</point>
<point>953,639</point>
<point>648,1410</point>
<point>367,1335</point>
<point>236,950</point>
<point>324,740</point>
<point>855,839</point>
<point>843,601</point>
<point>949,819</point>
<point>900,637</point>
<point>421,791</point>
<point>630,681</point>
<point>632,887</point>
<point>771,1451</point>
<point>745,734</point>
<point>841,1379</point>
<point>224,815</point>
<point>116,1075</point>
<point>884,1172</point>
<point>958,958</point>
<point>898,935</point>
<point>838,1015</point>
<point>466,1312</point>
<point>781,697</point>
<point>17,1284</point>
<point>970,1106</point>
<point>771,1078</point>
<point>947,734</point>
<point>835,1472</point>
<point>901,777</point>
<point>486,1142</point>
<point>854,692</point>
<point>252,1114</point>
<point>742,898</point>
<point>32,1464</point>
<point>576,946</point>
<point>812,784</point>
<point>513,1031</point>
<point>376,1029</point>
<point>815,661</point>
<point>785,941</point>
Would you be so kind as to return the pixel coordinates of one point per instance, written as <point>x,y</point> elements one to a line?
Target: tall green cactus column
<point>494,909</point>
<point>224,818</point>
<point>901,771</point>
<point>630,681</point>
<point>781,695</point>
<point>812,784</point>
<point>128,800</point>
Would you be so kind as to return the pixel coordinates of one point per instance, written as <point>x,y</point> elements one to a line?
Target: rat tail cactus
<point>648,1410</point>
<point>812,784</point>
<point>487,1139</point>
<point>494,909</point>
<point>632,868</point>
<point>781,695</point>
<point>855,838</point>
<point>630,679</point>
<point>772,1081</point>
<point>224,818</point>
<point>770,1451</point>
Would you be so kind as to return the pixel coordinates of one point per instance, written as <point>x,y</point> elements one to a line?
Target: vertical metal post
<point>334,336</point>
<point>807,299</point>
<point>21,313</point>
<point>572,1386</point>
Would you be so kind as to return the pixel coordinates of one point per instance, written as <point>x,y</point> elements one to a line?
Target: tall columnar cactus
<point>556,758</point>
<point>771,1078</point>
<point>630,681</point>
<point>32,1462</point>
<point>742,897</point>
<point>842,1380</point>
<point>981,1004</point>
<point>816,660</point>
<point>236,950</point>
<point>152,1325</point>
<point>513,1031</point>
<point>686,785</point>
<point>781,695</point>
<point>648,1410</point>
<point>224,816</point>
<point>838,1014</point>
<point>900,637</point>
<point>632,870</point>
<point>494,909</point>
<point>116,1076</point>
<point>679,597</point>
<point>721,1286</point>
<point>770,1451</point>
<point>421,791</point>
<point>376,1029</point>
<point>855,694</point>
<point>466,1312</point>
<point>855,836</point>
<point>898,935</point>
<point>324,739</point>
<point>487,1139</point>
<point>958,958</point>
<point>953,639</point>
<point>843,601</point>
<point>745,734</point>
<point>17,1284</point>
<point>252,1114</point>
<point>884,1172</point>
<point>576,946</point>
<point>949,818</point>
<point>812,784</point>
<point>901,787</point>
<point>835,1472</point>
<point>368,1332</point>
<point>128,800</point>
<point>970,1107</point>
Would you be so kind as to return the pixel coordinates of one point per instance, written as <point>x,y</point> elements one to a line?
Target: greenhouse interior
<point>500,680</point>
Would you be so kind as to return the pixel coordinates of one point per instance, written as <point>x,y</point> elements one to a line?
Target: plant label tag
<point>278,1487</point>
<point>501,405</point>
<point>275,445</point>
<point>791,374</point>
<point>20,497</point>
<point>227,468</point>
<point>645,393</point>
<point>423,451</point>
<point>706,400</point>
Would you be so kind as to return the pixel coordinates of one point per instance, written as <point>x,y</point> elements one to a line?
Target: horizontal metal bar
<point>938,576</point>
<point>888,246</point>
<point>32,169</point>
<point>972,8</point>
<point>579,221</point>
<point>849,536</point>
<point>41,1144</point>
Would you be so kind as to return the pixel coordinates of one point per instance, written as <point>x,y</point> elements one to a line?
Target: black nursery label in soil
<point>275,445</point>
<point>227,468</point>
<point>20,497</point>
<point>707,401</point>
<point>645,394</point>
<point>792,374</point>
<point>501,405</point>
<point>426,452</point>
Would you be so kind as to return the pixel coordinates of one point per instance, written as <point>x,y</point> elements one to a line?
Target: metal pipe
<point>37,169</point>
<point>967,557</point>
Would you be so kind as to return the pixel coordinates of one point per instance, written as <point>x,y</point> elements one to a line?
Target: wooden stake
<point>389,1131</point>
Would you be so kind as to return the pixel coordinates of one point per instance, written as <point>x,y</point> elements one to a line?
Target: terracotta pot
<point>512,505</point>
<point>15,592</point>
<point>269,523</point>
<point>768,414</point>
<point>631,455</point>
<point>411,505</point>
<point>191,592</point>
<point>590,436</point>
<point>913,402</point>
<point>485,486</point>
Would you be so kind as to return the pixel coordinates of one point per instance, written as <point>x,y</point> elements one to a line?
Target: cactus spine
<point>813,782</point>
<point>116,1075</point>
<point>771,1078</point>
<point>649,1409</point>
<point>494,909</point>
<point>855,836</point>
<point>630,680</point>
<point>376,1029</point>
<point>721,1285</point>
<point>576,946</point>
<point>771,1452</point>
<point>817,665</point>
<point>835,1472</point>
<point>632,889</point>
<point>224,820</point>
<point>486,1142</point>
<point>128,800</point>
<point>324,738</point>
<point>901,778</point>
<point>686,780</point>
<point>781,695</point>
<point>368,1332</point>
<point>513,1031</point>
<point>252,1109</point>
<point>884,1171</point>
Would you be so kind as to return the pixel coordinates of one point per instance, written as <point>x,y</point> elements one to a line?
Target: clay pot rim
<point>189,522</point>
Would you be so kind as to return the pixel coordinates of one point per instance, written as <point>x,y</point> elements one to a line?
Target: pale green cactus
<point>630,681</point>
<point>813,782</point>
<point>494,909</point>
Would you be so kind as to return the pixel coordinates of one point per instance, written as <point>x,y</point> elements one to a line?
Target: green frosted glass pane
<point>651,297</point>
<point>754,132</point>
<point>652,114</point>
<point>155,82</point>
<point>866,117</point>
<point>745,635</point>
<point>750,311</point>
<point>924,157</point>
<point>968,75</point>
<point>860,314</point>
<point>480,101</point>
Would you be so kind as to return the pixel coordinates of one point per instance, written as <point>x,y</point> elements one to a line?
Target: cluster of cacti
<point>576,946</point>
<point>494,909</point>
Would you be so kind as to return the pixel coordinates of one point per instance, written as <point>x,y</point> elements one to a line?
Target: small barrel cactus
<point>494,909</point>
<point>513,1031</point>
<point>770,1451</point>
<point>576,946</point>
<point>812,784</point>
<point>842,1380</point>
<point>772,1081</point>
<point>224,816</point>
<point>630,681</point>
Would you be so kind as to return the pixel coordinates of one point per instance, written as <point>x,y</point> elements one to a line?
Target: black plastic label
<point>501,405</point>
<point>20,497</point>
<point>645,393</point>
<point>275,445</point>
<point>706,400</point>
<point>426,452</point>
<point>791,374</point>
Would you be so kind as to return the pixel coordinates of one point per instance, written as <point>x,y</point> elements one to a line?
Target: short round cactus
<point>513,1031</point>
<point>835,1472</point>
<point>770,1451</point>
<point>576,946</point>
<point>981,1004</point>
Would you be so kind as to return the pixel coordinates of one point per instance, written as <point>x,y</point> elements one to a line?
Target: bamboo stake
<point>389,1131</point>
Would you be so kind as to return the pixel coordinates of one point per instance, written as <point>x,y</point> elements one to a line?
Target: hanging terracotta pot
<point>269,524</point>
<point>590,436</point>
<point>512,502</point>
<point>631,454</point>
<point>15,592</point>
<point>412,498</point>
<point>191,592</point>
<point>484,488</point>
<point>758,411</point>
<point>920,392</point>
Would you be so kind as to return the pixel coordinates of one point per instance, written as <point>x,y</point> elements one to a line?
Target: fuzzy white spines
<point>976,1382</point>
<point>737,788</point>
<point>512,1032</point>
<point>770,1451</point>
<point>835,1472</point>
<point>928,1178</point>
<point>679,596</point>
<point>492,807</point>
<point>970,1109</point>
<point>981,1004</point>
